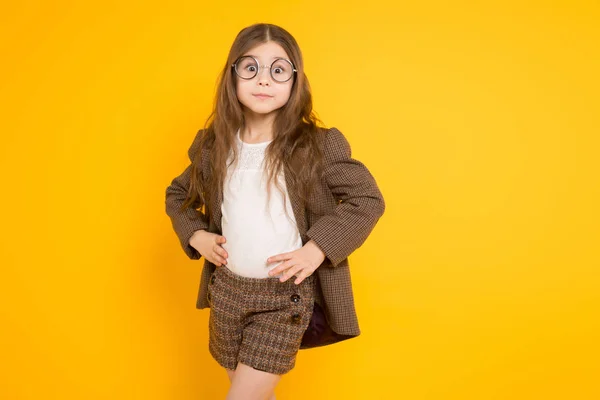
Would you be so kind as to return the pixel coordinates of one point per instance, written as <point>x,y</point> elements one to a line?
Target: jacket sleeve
<point>185,223</point>
<point>360,202</point>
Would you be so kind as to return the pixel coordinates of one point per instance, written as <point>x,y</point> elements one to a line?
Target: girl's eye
<point>278,70</point>
<point>251,68</point>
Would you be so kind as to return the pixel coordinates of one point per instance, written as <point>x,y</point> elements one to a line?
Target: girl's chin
<point>260,110</point>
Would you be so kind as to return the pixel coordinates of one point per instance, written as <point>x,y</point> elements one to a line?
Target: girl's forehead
<point>267,52</point>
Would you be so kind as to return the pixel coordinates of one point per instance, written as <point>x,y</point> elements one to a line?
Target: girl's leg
<point>248,383</point>
<point>231,374</point>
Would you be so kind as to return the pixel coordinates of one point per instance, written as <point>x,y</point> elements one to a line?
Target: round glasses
<point>247,67</point>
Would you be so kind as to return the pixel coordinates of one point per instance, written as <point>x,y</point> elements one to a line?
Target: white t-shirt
<point>254,229</point>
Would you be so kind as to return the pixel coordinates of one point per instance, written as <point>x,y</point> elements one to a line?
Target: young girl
<point>275,204</point>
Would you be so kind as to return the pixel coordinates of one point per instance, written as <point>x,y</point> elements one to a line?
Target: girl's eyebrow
<point>272,58</point>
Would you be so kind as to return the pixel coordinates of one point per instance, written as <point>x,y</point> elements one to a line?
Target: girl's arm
<point>187,222</point>
<point>360,205</point>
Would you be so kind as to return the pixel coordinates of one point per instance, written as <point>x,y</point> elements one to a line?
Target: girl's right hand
<point>208,245</point>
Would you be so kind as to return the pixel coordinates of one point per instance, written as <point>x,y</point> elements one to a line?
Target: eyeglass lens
<point>247,68</point>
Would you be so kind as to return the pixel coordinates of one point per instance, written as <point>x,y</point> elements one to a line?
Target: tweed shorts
<point>258,321</point>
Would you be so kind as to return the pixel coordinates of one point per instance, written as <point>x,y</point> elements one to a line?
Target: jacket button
<point>295,298</point>
<point>208,296</point>
<point>296,318</point>
<point>212,279</point>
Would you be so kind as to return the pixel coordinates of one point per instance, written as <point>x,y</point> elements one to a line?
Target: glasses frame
<point>270,67</point>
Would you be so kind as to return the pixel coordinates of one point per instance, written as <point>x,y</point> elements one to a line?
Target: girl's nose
<point>264,74</point>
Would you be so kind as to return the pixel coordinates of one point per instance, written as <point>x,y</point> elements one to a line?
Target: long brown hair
<point>294,147</point>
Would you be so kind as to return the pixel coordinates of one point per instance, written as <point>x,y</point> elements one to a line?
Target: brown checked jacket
<point>347,206</point>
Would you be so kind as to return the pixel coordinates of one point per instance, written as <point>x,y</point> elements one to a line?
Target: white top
<point>255,230</point>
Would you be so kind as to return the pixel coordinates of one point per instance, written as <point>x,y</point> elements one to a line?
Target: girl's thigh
<point>251,384</point>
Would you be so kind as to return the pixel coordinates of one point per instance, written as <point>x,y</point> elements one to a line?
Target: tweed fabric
<point>345,207</point>
<point>257,321</point>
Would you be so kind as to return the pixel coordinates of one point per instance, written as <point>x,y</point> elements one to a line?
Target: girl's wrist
<point>314,245</point>
<point>196,234</point>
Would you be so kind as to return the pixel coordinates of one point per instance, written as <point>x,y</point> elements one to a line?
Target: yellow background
<point>479,121</point>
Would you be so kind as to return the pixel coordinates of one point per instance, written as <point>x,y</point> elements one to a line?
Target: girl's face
<point>277,93</point>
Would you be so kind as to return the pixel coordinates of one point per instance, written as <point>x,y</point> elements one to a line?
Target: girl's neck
<point>257,128</point>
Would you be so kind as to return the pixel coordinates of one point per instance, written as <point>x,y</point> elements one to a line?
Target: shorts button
<point>295,298</point>
<point>296,318</point>
<point>212,279</point>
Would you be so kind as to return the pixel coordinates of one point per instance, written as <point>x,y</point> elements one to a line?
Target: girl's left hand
<point>302,262</point>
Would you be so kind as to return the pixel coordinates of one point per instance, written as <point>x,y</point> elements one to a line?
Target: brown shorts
<point>258,321</point>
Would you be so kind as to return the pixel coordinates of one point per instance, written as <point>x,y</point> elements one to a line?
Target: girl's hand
<point>302,262</point>
<point>209,246</point>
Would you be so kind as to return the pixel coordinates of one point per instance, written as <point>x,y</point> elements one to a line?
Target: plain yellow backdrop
<point>479,121</point>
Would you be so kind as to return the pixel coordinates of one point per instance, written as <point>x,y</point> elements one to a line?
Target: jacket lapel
<point>214,208</point>
<point>217,200</point>
<point>298,208</point>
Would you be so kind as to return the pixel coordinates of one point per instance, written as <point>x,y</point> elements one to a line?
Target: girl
<point>275,204</point>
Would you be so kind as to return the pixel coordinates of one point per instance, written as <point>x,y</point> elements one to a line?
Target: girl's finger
<point>217,258</point>
<point>280,257</point>
<point>289,273</point>
<point>281,267</point>
<point>300,277</point>
<point>220,251</point>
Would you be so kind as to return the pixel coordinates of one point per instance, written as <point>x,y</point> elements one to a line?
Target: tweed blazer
<point>347,204</point>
